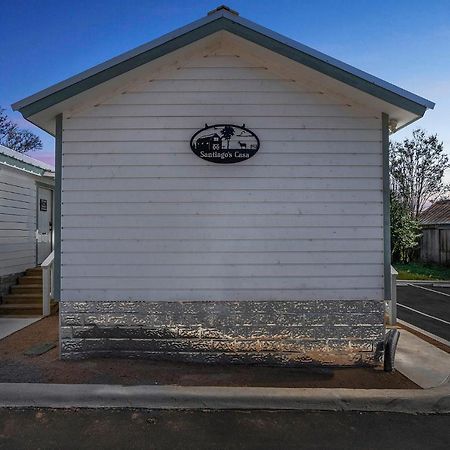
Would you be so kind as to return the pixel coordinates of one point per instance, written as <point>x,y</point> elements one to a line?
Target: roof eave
<point>16,164</point>
<point>19,105</point>
<point>223,20</point>
<point>406,124</point>
<point>19,160</point>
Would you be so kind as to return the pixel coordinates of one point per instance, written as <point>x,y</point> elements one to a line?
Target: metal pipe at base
<point>390,347</point>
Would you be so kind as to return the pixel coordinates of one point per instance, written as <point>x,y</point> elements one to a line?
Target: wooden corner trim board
<point>57,206</point>
<point>386,207</point>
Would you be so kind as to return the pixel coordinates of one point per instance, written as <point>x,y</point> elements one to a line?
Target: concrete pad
<point>11,325</point>
<point>421,362</point>
<point>40,349</point>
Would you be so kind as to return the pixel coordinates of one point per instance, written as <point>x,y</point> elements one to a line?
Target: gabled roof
<point>18,160</point>
<point>437,214</point>
<point>224,19</point>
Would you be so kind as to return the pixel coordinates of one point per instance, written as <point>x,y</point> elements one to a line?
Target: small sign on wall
<point>42,204</point>
<point>224,143</point>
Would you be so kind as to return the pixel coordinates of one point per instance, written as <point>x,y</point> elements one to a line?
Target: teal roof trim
<point>223,20</point>
<point>12,162</point>
<point>118,69</point>
<point>329,69</point>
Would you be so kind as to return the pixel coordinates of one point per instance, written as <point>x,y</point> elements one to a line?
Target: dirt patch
<point>15,367</point>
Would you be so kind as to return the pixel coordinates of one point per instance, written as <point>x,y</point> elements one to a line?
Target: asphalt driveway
<point>425,307</point>
<point>146,429</point>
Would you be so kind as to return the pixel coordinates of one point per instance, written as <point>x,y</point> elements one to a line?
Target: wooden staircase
<point>25,299</point>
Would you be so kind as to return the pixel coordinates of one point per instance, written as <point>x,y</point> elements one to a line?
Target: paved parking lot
<point>426,307</point>
<point>184,430</point>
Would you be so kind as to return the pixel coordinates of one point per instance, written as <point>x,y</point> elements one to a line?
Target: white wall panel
<point>17,220</point>
<point>144,218</point>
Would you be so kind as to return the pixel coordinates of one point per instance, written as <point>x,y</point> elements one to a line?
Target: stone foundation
<point>338,333</point>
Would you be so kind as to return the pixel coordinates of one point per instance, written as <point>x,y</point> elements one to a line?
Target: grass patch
<point>420,271</point>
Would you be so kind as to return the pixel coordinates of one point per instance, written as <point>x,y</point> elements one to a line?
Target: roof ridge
<point>224,8</point>
<point>223,19</point>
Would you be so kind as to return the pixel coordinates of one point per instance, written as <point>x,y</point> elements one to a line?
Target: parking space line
<point>423,314</point>
<point>428,289</point>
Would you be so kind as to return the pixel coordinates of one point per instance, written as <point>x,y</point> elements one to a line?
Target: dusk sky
<point>406,42</point>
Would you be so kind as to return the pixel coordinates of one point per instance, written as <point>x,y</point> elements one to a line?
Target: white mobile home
<point>222,195</point>
<point>26,195</point>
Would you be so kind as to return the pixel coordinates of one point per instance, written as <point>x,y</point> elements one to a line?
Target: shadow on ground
<point>16,367</point>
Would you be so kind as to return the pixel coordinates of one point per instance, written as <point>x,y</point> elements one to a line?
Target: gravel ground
<point>15,367</point>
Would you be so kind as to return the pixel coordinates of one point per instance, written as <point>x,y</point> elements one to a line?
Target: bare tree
<point>13,137</point>
<point>417,168</point>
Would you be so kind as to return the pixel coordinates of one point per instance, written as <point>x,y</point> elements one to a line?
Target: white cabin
<point>26,193</point>
<point>279,258</point>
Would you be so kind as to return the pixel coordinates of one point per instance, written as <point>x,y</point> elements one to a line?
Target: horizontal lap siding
<point>170,147</point>
<point>225,110</point>
<point>144,218</point>
<point>17,221</point>
<point>266,135</point>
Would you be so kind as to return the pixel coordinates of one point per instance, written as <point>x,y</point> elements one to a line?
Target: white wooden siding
<point>144,218</point>
<point>17,221</point>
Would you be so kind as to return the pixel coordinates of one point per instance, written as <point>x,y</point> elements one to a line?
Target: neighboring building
<point>435,240</point>
<point>26,196</point>
<point>283,257</point>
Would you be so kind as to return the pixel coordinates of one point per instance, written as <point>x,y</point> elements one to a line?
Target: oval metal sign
<point>224,143</point>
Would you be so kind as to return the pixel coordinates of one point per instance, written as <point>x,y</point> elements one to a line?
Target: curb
<point>433,283</point>
<point>428,401</point>
<point>423,332</point>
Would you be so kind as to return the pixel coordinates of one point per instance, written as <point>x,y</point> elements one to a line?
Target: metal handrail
<point>47,283</point>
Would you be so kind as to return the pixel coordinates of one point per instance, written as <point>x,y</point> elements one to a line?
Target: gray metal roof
<point>223,19</point>
<point>437,214</point>
<point>23,162</point>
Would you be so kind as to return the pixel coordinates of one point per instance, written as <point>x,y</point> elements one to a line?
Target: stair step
<point>22,309</point>
<point>26,309</point>
<point>31,280</point>
<point>22,298</point>
<point>25,295</point>
<point>27,289</point>
<point>25,299</point>
<point>32,297</point>
<point>34,271</point>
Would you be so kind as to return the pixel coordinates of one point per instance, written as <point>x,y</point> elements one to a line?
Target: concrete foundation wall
<point>338,332</point>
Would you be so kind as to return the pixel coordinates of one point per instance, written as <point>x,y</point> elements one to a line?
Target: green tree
<point>15,138</point>
<point>405,231</point>
<point>417,168</point>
